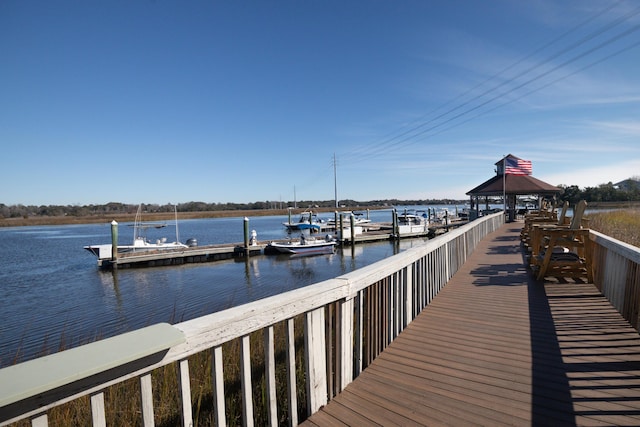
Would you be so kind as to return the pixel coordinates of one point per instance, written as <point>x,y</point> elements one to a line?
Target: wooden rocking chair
<point>563,251</point>
<point>532,221</point>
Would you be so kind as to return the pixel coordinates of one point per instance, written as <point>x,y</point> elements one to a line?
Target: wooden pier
<point>211,253</point>
<point>196,254</point>
<point>497,347</point>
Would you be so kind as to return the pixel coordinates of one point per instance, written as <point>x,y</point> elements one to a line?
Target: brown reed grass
<point>622,224</point>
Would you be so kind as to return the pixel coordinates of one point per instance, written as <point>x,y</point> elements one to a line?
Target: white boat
<point>307,221</point>
<point>345,233</point>
<point>305,245</point>
<point>346,220</point>
<point>140,242</point>
<point>413,223</point>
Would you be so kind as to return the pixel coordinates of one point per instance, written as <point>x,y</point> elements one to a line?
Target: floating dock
<point>210,253</point>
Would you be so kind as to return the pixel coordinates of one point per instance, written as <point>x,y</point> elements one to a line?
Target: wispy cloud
<point>628,128</point>
<point>594,176</point>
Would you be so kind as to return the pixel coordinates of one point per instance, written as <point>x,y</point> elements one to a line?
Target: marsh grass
<point>623,224</point>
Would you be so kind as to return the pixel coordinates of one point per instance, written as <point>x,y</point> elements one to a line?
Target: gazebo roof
<point>513,184</point>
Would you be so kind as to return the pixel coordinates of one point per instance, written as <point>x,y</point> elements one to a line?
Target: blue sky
<point>241,101</point>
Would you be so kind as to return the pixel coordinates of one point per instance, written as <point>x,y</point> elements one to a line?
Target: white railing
<point>616,273</point>
<point>346,323</point>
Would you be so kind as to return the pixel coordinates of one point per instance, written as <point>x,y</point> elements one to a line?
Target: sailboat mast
<point>335,180</point>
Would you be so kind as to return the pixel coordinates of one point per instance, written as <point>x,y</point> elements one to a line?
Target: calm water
<point>53,293</point>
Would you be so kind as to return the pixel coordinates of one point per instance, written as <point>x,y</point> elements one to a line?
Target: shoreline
<point>164,216</point>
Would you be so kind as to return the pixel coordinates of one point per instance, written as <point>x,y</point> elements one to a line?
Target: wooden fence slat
<point>291,373</point>
<point>97,410</point>
<point>270,375</point>
<point>146,397</point>
<point>408,297</point>
<point>217,376</point>
<point>245,369</point>
<point>359,340</point>
<point>185,393</point>
<point>329,350</point>
<point>345,350</point>
<point>316,360</point>
<point>40,421</point>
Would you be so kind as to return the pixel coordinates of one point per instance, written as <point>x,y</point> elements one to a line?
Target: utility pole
<point>335,179</point>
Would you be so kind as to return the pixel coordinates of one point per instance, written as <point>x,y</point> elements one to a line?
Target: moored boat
<point>409,223</point>
<point>140,241</point>
<point>307,221</point>
<point>304,245</point>
<point>358,218</point>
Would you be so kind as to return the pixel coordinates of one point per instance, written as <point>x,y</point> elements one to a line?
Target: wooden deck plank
<point>496,347</point>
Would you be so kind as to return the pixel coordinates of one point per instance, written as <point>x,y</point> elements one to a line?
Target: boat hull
<point>105,251</point>
<point>307,249</point>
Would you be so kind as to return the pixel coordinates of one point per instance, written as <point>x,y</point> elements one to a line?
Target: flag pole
<point>504,180</point>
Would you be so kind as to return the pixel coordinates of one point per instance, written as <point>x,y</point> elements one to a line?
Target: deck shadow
<point>546,359</point>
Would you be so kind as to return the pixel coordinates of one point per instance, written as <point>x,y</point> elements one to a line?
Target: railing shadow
<point>601,354</point>
<point>551,393</point>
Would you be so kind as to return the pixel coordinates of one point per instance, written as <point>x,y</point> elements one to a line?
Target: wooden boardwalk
<point>496,347</point>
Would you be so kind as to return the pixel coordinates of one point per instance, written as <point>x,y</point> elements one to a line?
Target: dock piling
<point>246,236</point>
<point>394,222</point>
<point>352,223</point>
<point>114,241</point>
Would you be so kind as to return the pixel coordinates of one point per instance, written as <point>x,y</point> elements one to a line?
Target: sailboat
<point>140,242</point>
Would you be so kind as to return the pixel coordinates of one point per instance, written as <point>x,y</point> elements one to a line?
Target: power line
<point>408,136</point>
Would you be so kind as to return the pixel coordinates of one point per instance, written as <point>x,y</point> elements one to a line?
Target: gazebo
<point>517,181</point>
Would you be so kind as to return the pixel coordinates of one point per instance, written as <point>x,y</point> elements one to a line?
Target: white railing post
<point>185,393</point>
<point>408,302</point>
<point>316,360</point>
<point>345,340</point>
<point>146,397</point>
<point>217,377</point>
<point>245,369</point>
<point>291,373</point>
<point>97,410</point>
<point>447,272</point>
<point>40,421</point>
<point>359,341</point>
<point>270,375</point>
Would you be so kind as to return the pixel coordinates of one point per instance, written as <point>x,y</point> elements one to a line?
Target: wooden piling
<point>394,223</point>
<point>114,241</point>
<point>246,236</point>
<point>352,223</point>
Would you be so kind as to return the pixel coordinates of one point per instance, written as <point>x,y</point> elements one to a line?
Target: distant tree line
<point>572,193</point>
<point>22,211</point>
<point>602,193</point>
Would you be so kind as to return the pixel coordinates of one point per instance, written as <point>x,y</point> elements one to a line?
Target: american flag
<point>517,166</point>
